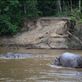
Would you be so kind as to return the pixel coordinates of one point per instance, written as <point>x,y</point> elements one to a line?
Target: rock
<point>69,60</point>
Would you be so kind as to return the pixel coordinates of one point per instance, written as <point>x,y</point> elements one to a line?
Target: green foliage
<point>75,14</point>
<point>32,9</point>
<point>47,7</point>
<point>13,12</point>
<point>6,27</point>
<point>9,17</point>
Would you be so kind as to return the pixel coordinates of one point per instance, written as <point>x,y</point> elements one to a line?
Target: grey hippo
<point>69,60</point>
<point>11,55</point>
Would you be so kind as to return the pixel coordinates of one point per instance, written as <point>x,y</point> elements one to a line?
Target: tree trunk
<point>71,5</point>
<point>80,5</point>
<point>59,6</point>
<point>25,11</point>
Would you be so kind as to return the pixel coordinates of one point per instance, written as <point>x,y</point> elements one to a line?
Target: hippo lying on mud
<point>69,60</point>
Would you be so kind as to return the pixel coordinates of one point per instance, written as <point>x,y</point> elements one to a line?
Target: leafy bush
<point>13,11</point>
<point>6,28</point>
<point>76,15</point>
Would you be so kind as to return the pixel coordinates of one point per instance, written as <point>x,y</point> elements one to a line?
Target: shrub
<point>6,27</point>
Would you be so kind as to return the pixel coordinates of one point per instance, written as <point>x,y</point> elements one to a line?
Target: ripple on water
<point>61,74</point>
<point>35,70</point>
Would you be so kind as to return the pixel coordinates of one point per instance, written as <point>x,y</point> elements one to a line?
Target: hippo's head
<point>57,61</point>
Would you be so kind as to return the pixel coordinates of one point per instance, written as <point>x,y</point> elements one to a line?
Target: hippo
<point>69,60</point>
<point>11,55</point>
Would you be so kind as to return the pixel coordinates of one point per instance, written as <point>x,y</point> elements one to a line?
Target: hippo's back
<point>68,55</point>
<point>69,59</point>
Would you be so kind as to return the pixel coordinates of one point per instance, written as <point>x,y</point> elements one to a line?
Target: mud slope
<point>49,33</point>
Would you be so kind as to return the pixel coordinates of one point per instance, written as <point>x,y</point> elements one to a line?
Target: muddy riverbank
<point>47,32</point>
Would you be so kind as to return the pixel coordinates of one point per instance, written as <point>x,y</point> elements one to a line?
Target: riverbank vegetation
<point>14,12</point>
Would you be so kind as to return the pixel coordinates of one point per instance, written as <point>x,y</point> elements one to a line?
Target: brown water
<point>38,68</point>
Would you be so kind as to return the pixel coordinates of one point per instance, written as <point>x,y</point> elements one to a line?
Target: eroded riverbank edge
<point>45,33</point>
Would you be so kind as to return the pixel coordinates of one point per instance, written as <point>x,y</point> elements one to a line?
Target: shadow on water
<point>36,67</point>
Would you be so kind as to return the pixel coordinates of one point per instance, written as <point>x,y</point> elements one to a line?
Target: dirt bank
<point>45,32</point>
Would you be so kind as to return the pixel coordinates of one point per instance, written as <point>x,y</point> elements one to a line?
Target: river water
<point>38,67</point>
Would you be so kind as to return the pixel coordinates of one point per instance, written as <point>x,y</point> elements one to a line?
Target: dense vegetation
<point>13,12</point>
